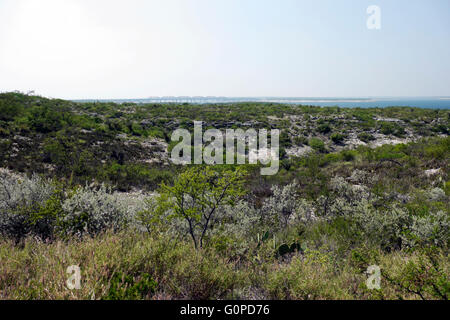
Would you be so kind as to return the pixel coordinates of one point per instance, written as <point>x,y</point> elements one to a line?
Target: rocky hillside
<point>127,144</point>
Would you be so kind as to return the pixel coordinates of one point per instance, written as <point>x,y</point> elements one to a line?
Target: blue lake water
<point>429,103</point>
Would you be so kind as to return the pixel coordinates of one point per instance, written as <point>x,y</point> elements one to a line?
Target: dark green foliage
<point>348,155</point>
<point>126,175</point>
<point>366,137</point>
<point>285,249</point>
<point>129,287</point>
<point>441,128</point>
<point>393,128</point>
<point>41,220</point>
<point>285,140</point>
<point>44,119</point>
<point>317,144</point>
<point>324,128</point>
<point>9,110</point>
<point>337,138</point>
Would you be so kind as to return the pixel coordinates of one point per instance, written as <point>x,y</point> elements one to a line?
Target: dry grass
<point>38,271</point>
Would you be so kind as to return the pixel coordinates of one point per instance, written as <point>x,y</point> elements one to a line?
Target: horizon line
<point>273,97</point>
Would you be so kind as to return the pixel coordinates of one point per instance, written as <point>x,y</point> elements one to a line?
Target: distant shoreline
<point>375,102</point>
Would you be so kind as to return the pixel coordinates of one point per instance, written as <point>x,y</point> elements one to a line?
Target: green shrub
<point>9,111</point>
<point>197,195</point>
<point>388,128</point>
<point>424,276</point>
<point>337,138</point>
<point>128,287</point>
<point>27,206</point>
<point>93,210</point>
<point>349,155</point>
<point>441,128</point>
<point>324,128</point>
<point>317,144</point>
<point>366,137</point>
<point>332,157</point>
<point>438,150</point>
<point>127,175</point>
<point>306,279</point>
<point>300,140</point>
<point>137,130</point>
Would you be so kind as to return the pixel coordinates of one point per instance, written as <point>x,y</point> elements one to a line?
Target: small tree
<point>198,192</point>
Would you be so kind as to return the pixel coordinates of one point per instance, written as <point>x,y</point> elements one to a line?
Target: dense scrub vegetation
<point>126,144</point>
<point>221,232</point>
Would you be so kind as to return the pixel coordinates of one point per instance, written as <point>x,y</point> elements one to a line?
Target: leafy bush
<point>238,223</point>
<point>432,229</point>
<point>349,155</point>
<point>26,205</point>
<point>9,110</point>
<point>324,128</point>
<point>388,128</point>
<point>386,229</point>
<point>317,144</point>
<point>422,276</point>
<point>279,209</point>
<point>127,175</point>
<point>94,210</point>
<point>337,138</point>
<point>198,193</point>
<point>441,128</point>
<point>44,119</point>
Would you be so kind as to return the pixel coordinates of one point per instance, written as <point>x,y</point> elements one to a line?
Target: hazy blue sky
<point>136,49</point>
